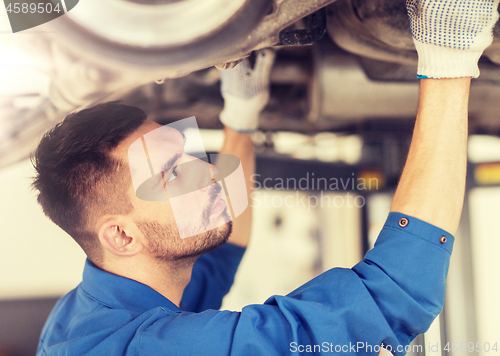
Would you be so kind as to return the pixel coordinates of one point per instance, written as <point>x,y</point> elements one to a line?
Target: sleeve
<point>389,298</point>
<point>212,277</point>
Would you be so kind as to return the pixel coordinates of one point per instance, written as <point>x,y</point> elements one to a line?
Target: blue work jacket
<point>389,298</point>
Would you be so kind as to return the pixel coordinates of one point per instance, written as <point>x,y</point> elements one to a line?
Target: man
<point>133,299</point>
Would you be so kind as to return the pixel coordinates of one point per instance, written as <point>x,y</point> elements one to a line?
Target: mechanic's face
<point>178,207</point>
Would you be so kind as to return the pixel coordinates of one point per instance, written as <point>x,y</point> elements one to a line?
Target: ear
<point>120,236</point>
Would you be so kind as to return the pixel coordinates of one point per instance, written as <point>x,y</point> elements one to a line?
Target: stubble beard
<point>166,244</point>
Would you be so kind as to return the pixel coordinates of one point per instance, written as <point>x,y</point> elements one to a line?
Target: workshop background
<point>343,102</point>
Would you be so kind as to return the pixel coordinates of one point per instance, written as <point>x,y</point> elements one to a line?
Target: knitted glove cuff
<point>451,35</point>
<point>242,115</point>
<point>443,62</point>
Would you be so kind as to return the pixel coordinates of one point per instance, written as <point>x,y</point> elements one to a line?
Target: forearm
<point>245,89</point>
<point>241,145</point>
<point>432,185</point>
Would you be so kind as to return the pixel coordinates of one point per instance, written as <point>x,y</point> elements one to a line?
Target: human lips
<point>219,206</point>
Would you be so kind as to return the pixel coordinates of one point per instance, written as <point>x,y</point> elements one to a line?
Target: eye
<point>173,176</point>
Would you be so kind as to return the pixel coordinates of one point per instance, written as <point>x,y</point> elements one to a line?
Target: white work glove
<point>451,35</point>
<point>246,92</point>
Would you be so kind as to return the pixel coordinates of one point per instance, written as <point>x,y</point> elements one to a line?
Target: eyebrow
<point>165,167</point>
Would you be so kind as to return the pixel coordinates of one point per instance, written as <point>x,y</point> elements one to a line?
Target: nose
<point>206,173</point>
<point>202,174</point>
<point>209,180</point>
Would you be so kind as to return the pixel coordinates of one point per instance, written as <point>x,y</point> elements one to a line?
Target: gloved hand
<point>246,92</point>
<point>451,35</point>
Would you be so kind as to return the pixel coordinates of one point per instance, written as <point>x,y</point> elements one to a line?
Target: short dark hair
<point>76,177</point>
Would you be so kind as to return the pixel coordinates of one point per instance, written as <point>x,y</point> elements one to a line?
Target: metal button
<point>403,222</point>
<point>443,239</point>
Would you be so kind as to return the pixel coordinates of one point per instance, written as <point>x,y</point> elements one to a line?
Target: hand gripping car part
<point>450,36</point>
<point>201,191</point>
<point>246,92</point>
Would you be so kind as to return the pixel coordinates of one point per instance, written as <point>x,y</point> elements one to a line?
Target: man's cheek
<point>186,212</point>
<point>193,176</point>
<point>160,211</point>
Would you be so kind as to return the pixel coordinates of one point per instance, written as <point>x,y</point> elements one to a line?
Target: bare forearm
<point>241,145</point>
<point>432,185</point>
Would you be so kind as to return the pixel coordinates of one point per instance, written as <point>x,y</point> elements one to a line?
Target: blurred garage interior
<point>343,102</point>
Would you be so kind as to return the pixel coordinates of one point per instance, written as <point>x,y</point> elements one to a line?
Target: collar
<point>120,292</point>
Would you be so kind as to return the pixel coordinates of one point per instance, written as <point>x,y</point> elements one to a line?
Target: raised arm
<point>433,182</point>
<point>240,144</point>
<point>246,93</point>
<point>449,36</point>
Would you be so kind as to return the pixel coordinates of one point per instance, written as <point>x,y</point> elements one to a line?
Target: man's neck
<point>166,277</point>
